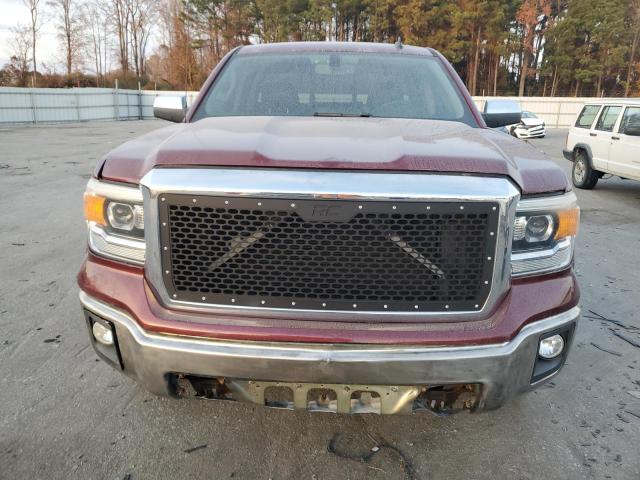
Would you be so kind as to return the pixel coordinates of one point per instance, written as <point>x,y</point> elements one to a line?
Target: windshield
<point>335,84</point>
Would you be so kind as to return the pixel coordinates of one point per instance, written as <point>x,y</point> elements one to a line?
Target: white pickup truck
<point>605,139</point>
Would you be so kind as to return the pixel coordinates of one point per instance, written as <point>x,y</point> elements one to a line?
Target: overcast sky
<point>13,12</point>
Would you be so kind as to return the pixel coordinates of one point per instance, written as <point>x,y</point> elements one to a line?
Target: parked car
<point>333,227</point>
<point>605,139</point>
<point>530,126</point>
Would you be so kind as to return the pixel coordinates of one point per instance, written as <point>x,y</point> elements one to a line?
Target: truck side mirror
<point>170,107</point>
<point>499,113</point>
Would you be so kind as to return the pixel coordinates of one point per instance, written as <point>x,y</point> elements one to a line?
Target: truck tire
<point>582,174</point>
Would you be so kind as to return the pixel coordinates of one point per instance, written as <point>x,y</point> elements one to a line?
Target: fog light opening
<point>102,334</point>
<point>551,347</point>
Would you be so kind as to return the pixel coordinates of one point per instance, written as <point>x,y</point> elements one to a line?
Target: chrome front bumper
<point>503,370</point>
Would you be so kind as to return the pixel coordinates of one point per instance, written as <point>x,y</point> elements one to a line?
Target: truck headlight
<point>124,216</point>
<point>115,219</point>
<point>534,228</point>
<point>544,232</point>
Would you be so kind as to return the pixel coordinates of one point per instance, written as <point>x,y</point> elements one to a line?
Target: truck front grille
<point>328,255</point>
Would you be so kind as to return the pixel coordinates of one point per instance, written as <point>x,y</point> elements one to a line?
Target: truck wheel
<point>582,174</point>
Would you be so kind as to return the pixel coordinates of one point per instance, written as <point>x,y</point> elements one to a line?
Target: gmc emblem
<point>325,211</point>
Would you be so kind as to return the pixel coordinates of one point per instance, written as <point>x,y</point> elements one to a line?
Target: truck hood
<point>336,143</point>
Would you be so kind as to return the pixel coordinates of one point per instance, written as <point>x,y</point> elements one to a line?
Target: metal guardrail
<point>57,105</point>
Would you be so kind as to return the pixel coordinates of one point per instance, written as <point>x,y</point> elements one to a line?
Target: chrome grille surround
<point>329,185</point>
<point>328,254</point>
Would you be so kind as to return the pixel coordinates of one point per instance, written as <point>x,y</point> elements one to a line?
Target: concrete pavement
<point>64,414</point>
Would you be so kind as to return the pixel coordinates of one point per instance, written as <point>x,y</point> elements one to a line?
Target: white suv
<point>605,139</point>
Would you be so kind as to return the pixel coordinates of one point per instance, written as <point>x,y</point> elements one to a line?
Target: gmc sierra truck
<point>332,227</point>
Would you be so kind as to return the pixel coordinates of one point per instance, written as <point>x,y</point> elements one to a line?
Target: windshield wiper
<point>337,114</point>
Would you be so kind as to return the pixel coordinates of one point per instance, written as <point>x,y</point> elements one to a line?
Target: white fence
<point>54,105</point>
<point>58,105</point>
<point>557,112</point>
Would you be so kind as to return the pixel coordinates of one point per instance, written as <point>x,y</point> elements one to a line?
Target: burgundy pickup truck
<point>332,227</point>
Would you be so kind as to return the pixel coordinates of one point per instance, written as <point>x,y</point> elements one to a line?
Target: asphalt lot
<point>64,414</point>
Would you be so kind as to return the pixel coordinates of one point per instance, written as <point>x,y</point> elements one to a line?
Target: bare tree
<point>98,37</point>
<point>69,23</point>
<point>34,6</point>
<point>141,15</point>
<point>120,16</point>
<point>20,44</point>
<point>175,62</point>
<point>159,67</point>
<point>635,18</point>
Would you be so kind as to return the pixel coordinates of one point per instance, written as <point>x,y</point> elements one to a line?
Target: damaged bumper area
<point>342,378</point>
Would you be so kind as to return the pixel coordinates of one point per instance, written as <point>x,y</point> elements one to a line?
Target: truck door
<point>624,156</point>
<point>600,136</point>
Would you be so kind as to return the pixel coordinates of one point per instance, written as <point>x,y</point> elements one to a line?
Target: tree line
<point>499,47</point>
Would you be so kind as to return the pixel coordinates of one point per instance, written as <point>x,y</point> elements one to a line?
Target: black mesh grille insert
<point>328,255</point>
